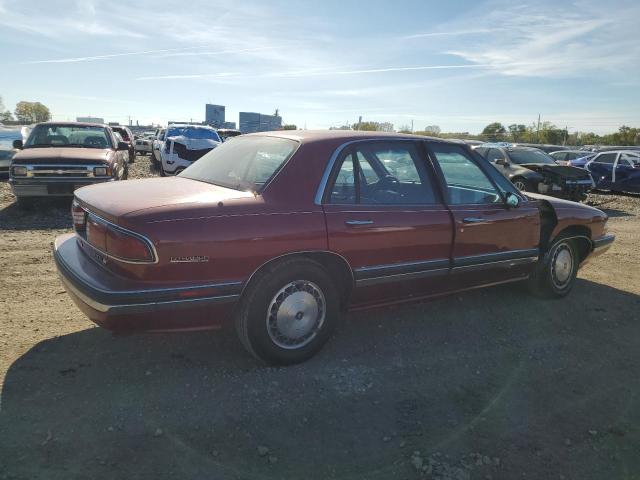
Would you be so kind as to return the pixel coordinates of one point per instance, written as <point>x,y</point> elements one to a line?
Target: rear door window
<point>383,173</point>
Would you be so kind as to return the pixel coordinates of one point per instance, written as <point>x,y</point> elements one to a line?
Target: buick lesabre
<point>281,232</point>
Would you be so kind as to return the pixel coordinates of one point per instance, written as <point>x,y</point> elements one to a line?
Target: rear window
<point>247,163</point>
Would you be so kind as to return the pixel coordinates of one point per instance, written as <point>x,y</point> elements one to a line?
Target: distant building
<point>231,125</point>
<point>257,122</point>
<point>214,115</point>
<point>90,119</point>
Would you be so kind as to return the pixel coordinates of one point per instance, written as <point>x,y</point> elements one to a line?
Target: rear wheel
<point>288,313</point>
<point>556,272</point>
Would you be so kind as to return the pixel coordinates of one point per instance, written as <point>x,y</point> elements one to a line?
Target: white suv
<point>184,144</point>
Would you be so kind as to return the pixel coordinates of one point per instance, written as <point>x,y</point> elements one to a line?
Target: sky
<point>459,64</point>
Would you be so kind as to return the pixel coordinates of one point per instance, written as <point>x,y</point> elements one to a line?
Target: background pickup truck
<point>58,158</point>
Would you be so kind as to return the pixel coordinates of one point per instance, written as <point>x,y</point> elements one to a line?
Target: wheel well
<point>548,221</point>
<point>336,265</point>
<point>581,237</point>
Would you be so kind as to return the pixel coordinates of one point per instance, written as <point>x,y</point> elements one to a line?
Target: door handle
<point>472,220</point>
<point>355,223</point>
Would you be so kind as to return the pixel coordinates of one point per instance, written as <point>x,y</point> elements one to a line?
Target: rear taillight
<point>127,247</point>
<point>117,242</point>
<point>79,216</point>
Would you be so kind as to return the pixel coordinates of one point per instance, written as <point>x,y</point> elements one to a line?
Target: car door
<point>492,243</point>
<point>386,217</point>
<point>602,169</point>
<point>626,172</point>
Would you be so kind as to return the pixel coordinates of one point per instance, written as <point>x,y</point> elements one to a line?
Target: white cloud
<point>553,40</point>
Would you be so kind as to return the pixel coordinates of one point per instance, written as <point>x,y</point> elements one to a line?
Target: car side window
<point>609,158</point>
<point>466,182</point>
<point>382,173</point>
<point>494,154</point>
<point>629,160</point>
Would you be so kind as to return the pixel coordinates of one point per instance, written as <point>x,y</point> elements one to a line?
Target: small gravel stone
<point>158,432</point>
<point>262,451</point>
<point>273,459</point>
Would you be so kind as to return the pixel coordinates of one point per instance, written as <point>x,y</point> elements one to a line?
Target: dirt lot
<point>488,384</point>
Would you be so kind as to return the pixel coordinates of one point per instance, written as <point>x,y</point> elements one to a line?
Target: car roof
<point>308,136</point>
<point>74,124</point>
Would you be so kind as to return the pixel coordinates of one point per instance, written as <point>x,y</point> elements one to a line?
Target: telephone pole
<point>538,130</point>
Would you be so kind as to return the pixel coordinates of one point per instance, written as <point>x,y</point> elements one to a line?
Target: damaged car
<point>278,233</point>
<point>183,145</point>
<point>532,170</point>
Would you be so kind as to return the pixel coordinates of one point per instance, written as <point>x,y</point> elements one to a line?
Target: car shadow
<point>532,385</point>
<point>41,214</point>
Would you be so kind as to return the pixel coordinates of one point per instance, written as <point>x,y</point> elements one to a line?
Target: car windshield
<point>530,156</point>
<point>247,163</point>
<point>68,136</point>
<point>192,132</point>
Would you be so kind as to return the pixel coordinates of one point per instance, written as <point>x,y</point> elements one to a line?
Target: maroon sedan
<point>282,231</point>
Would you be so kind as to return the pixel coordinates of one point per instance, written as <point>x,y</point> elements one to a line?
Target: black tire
<point>555,274</point>
<point>125,174</point>
<point>522,184</point>
<point>257,322</point>
<point>162,172</point>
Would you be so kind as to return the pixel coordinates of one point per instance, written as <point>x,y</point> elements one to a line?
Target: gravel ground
<point>487,384</point>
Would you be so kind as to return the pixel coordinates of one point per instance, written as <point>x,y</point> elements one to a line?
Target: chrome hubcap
<point>562,266</point>
<point>296,314</point>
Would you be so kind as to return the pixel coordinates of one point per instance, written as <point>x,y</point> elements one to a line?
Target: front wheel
<point>556,272</point>
<point>521,184</point>
<point>288,313</point>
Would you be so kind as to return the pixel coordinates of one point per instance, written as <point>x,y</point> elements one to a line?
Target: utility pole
<point>538,130</point>
<point>412,125</point>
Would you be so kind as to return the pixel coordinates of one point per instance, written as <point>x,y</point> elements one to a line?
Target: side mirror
<point>123,146</point>
<point>502,161</point>
<point>512,200</point>
<point>18,144</point>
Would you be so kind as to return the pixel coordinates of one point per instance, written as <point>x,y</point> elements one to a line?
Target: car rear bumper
<point>51,187</point>
<point>122,305</point>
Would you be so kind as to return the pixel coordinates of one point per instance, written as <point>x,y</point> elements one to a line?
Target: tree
<point>433,130</point>
<point>32,112</point>
<point>366,126</point>
<point>289,126</point>
<point>405,129</point>
<point>517,132</point>
<point>5,115</point>
<point>494,131</point>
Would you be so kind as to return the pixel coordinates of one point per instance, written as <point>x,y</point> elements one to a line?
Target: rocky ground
<point>487,384</point>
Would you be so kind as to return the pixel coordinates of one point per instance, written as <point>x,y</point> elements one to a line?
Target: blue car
<point>618,171</point>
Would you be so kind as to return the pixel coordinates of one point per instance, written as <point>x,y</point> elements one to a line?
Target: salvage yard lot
<point>486,384</point>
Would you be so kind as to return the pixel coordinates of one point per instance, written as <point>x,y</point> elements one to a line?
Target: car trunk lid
<point>116,200</point>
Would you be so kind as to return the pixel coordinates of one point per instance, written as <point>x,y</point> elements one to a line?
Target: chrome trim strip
<point>495,257</point>
<point>401,268</point>
<point>143,307</point>
<point>365,282</point>
<point>495,264</point>
<point>146,240</point>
